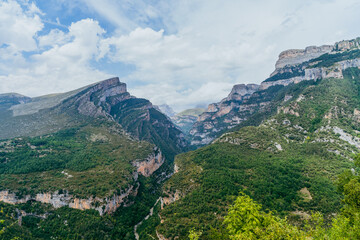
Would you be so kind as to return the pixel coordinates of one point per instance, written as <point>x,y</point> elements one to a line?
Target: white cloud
<point>63,67</point>
<point>18,27</point>
<point>205,47</point>
<point>55,37</point>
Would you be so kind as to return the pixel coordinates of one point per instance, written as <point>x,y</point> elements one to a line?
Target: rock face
<point>107,205</point>
<point>297,56</point>
<point>151,164</point>
<point>240,91</point>
<point>296,65</point>
<point>107,99</point>
<point>315,73</point>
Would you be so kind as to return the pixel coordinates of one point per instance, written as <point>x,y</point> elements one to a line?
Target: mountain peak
<point>109,83</point>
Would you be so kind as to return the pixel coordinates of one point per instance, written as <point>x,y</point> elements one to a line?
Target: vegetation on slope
<point>327,60</point>
<point>289,163</point>
<point>45,222</point>
<point>91,160</point>
<point>137,117</point>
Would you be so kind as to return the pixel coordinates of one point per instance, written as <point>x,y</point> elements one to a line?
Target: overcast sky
<point>185,53</point>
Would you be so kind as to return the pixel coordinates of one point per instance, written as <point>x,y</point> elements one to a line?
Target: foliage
<point>293,71</point>
<point>45,222</point>
<point>328,60</point>
<point>245,220</point>
<point>91,160</point>
<point>194,235</point>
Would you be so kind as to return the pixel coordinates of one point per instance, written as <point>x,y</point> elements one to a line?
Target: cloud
<point>220,44</point>
<point>64,66</point>
<point>18,27</point>
<point>55,37</point>
<point>183,53</point>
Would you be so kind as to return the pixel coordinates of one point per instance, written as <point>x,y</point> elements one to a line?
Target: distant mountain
<point>166,109</point>
<point>186,119</point>
<point>293,66</point>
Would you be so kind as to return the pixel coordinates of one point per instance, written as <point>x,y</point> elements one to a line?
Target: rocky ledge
<point>57,200</point>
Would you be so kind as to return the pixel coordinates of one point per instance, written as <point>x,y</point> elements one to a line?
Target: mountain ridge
<point>293,66</point>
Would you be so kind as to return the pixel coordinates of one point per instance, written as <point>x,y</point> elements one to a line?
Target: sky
<point>186,53</point>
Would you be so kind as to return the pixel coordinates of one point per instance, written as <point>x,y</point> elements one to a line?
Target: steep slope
<point>293,66</point>
<point>289,163</point>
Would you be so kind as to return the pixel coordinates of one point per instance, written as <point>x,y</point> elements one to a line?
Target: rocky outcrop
<point>347,44</point>
<point>294,57</point>
<point>334,71</point>
<point>293,66</point>
<point>297,56</point>
<point>240,91</point>
<point>150,164</point>
<point>172,197</point>
<point>57,200</point>
<point>93,100</point>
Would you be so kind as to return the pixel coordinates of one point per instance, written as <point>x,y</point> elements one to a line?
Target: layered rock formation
<point>297,65</point>
<point>107,99</point>
<point>297,56</point>
<point>108,204</point>
<point>57,200</point>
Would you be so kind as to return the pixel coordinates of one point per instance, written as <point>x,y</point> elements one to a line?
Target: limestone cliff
<point>297,65</point>
<point>57,200</point>
<point>150,164</point>
<point>297,56</point>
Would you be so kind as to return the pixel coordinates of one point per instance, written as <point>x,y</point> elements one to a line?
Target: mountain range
<point>99,163</point>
